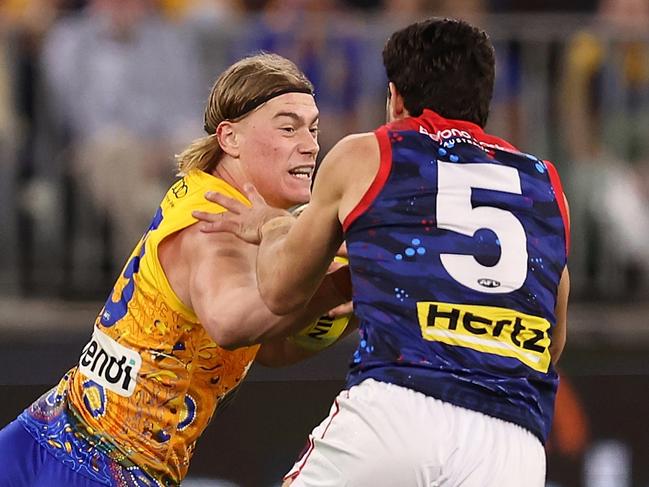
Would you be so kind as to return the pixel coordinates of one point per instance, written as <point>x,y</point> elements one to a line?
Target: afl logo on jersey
<point>110,364</point>
<point>490,283</point>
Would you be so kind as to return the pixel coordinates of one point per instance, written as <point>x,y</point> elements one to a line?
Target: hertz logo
<point>500,331</point>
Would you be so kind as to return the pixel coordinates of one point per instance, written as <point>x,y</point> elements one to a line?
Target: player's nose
<point>309,143</point>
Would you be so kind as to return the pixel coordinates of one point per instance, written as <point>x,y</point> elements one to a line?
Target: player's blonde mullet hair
<point>234,96</point>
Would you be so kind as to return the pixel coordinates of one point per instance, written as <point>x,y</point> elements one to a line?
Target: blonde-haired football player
<point>184,321</point>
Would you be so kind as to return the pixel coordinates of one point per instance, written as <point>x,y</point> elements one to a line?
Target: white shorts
<point>383,435</point>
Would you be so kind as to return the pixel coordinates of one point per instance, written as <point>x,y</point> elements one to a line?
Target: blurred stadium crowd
<point>96,96</point>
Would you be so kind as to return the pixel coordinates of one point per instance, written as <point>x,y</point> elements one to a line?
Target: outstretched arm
<point>294,253</point>
<point>307,243</point>
<point>223,292</point>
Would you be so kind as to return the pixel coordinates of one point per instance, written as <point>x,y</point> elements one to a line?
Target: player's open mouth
<point>302,172</point>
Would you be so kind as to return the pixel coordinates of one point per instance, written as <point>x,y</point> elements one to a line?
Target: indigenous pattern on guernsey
<point>456,251</point>
<point>150,379</point>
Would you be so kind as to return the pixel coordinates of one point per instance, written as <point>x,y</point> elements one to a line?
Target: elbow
<point>270,362</point>
<point>228,341</point>
<point>227,334</point>
<point>282,304</point>
<point>231,345</point>
<point>280,353</point>
<point>280,307</point>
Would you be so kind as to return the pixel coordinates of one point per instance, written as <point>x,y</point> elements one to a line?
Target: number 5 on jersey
<point>456,213</point>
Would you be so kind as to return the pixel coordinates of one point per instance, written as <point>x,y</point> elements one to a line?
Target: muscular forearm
<point>255,323</point>
<point>326,297</point>
<point>281,286</point>
<point>272,266</point>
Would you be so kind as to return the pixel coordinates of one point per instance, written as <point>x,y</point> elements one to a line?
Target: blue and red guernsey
<point>456,252</point>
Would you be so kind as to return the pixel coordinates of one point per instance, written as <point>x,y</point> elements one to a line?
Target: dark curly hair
<point>446,65</point>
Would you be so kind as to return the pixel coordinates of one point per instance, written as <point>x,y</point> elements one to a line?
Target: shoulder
<point>355,155</point>
<point>355,143</point>
<point>353,150</point>
<point>349,170</point>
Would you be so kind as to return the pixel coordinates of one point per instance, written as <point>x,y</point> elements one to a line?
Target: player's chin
<point>298,191</point>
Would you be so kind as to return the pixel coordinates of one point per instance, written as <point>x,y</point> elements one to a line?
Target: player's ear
<point>228,138</point>
<point>396,106</point>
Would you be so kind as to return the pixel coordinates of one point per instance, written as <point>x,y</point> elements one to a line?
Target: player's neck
<point>230,171</point>
<point>396,106</point>
<point>395,117</point>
